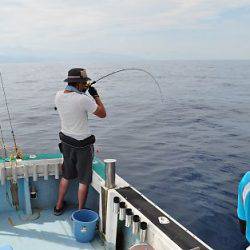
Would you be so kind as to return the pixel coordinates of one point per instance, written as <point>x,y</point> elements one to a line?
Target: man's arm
<point>100,111</point>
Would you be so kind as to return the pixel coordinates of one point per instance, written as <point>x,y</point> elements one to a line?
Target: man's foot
<point>59,211</point>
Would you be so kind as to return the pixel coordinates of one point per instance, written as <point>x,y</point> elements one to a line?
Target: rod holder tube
<point>34,170</point>
<point>25,172</point>
<point>3,175</point>
<point>122,211</point>
<point>128,218</point>
<point>110,173</point>
<point>46,172</point>
<point>116,205</point>
<point>135,224</point>
<point>143,231</point>
<point>57,171</point>
<point>14,173</point>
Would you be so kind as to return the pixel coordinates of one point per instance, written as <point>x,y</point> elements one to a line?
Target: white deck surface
<point>48,232</point>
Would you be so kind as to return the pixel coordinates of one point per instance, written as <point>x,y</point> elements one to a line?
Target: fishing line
<point>6,104</point>
<point>132,69</point>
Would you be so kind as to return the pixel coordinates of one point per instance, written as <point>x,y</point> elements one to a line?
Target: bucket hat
<point>77,75</point>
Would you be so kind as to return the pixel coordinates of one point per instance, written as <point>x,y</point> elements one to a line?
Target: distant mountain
<point>48,57</point>
<point>20,57</point>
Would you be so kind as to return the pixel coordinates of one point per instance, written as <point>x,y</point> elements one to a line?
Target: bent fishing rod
<point>131,69</point>
<point>127,69</point>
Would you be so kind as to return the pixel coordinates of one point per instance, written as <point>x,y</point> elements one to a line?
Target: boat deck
<point>43,231</point>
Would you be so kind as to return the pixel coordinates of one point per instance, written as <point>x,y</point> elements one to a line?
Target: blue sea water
<point>187,153</point>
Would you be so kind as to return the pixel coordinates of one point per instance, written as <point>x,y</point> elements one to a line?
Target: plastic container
<point>84,225</point>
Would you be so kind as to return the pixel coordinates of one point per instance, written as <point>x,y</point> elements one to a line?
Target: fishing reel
<point>88,84</point>
<point>17,153</point>
<point>11,154</point>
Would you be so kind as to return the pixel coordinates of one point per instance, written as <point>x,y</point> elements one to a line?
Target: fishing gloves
<point>93,91</point>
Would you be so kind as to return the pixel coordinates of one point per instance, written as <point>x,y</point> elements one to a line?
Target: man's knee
<point>83,186</point>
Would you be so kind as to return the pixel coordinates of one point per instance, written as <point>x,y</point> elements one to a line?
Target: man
<point>77,142</point>
<point>243,209</point>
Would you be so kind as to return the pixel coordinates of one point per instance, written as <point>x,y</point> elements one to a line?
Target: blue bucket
<point>84,225</point>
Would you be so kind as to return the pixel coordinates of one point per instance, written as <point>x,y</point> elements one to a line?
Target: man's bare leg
<point>63,187</point>
<point>82,195</point>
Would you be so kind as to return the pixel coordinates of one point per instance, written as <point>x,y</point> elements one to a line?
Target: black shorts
<point>77,162</point>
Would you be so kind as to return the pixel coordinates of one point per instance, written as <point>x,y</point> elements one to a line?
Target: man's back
<point>73,108</point>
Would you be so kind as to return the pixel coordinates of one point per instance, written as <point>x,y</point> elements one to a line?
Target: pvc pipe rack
<point>31,168</point>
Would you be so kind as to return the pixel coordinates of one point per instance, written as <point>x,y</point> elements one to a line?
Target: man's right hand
<point>93,91</point>
<point>100,111</point>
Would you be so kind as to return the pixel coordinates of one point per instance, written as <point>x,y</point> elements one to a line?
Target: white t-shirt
<point>73,110</point>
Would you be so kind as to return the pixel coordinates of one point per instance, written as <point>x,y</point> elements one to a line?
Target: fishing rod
<point>4,159</point>
<point>132,69</point>
<point>3,144</point>
<point>13,183</point>
<point>10,122</point>
<point>128,69</point>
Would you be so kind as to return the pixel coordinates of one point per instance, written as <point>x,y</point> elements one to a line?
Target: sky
<point>148,29</point>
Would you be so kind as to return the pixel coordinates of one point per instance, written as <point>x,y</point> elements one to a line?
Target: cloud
<point>56,25</point>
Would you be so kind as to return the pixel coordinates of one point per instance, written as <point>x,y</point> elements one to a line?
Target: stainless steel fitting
<point>122,211</point>
<point>110,173</point>
<point>116,205</point>
<point>128,219</point>
<point>135,224</point>
<point>143,231</point>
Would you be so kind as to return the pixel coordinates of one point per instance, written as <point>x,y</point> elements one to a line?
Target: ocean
<point>186,153</point>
